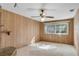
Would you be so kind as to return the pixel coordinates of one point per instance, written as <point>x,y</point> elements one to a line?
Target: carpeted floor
<point>47,49</point>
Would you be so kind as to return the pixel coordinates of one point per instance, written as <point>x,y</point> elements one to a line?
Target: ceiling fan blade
<point>49,16</point>
<point>32,9</point>
<point>35,16</point>
<point>44,16</point>
<point>41,8</point>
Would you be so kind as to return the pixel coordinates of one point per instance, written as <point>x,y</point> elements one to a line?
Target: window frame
<point>57,23</point>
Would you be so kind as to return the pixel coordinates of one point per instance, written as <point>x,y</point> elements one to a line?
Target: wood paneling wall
<point>0,27</point>
<point>22,29</point>
<point>76,31</point>
<point>57,38</point>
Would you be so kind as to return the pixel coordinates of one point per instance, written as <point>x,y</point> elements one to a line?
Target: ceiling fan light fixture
<point>44,14</point>
<point>42,19</point>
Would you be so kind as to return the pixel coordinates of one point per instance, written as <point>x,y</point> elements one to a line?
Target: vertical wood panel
<point>0,27</point>
<point>7,19</point>
<point>76,31</point>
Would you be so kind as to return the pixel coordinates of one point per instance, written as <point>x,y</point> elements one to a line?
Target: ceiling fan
<point>43,15</point>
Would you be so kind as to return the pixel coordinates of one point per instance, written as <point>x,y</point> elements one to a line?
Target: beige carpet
<point>47,49</point>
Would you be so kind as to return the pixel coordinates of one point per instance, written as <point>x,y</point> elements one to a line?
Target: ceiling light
<point>42,19</point>
<point>44,14</point>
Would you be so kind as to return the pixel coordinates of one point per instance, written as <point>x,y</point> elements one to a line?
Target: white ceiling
<point>58,10</point>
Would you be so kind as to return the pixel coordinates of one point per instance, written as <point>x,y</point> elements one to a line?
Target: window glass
<point>61,28</point>
<point>50,28</point>
<point>57,28</point>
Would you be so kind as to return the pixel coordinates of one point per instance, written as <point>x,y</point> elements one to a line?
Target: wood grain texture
<point>23,29</point>
<point>68,39</point>
<point>76,31</point>
<point>0,27</point>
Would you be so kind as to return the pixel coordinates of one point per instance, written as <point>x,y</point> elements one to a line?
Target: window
<point>56,28</point>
